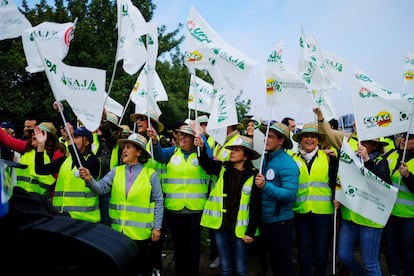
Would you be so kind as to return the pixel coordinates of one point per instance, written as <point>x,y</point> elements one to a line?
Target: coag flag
<point>131,26</point>
<point>282,84</point>
<point>361,190</point>
<point>378,116</point>
<point>201,95</point>
<point>12,21</point>
<point>82,87</point>
<point>409,74</point>
<point>54,38</point>
<point>223,60</point>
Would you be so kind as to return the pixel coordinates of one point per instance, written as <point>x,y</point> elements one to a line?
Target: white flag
<point>202,92</point>
<point>282,84</point>
<point>113,106</point>
<point>409,74</point>
<point>377,116</point>
<point>54,38</point>
<point>12,21</point>
<point>222,114</point>
<point>82,87</point>
<point>362,191</point>
<point>225,61</point>
<point>131,26</point>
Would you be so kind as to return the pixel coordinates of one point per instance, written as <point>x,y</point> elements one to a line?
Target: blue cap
<point>83,131</point>
<point>7,124</point>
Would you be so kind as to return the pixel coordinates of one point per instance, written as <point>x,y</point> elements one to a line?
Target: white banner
<point>12,21</point>
<point>362,191</point>
<point>201,95</point>
<point>54,38</point>
<point>224,60</point>
<point>377,116</point>
<point>82,87</point>
<point>131,26</point>
<point>282,84</point>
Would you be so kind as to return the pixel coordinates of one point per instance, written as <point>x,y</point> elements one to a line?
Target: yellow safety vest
<point>73,196</point>
<point>185,184</point>
<point>159,167</point>
<point>404,206</point>
<point>132,214</point>
<point>314,193</point>
<point>28,179</point>
<point>213,211</point>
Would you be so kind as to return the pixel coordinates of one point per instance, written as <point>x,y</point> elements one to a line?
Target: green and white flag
<point>12,21</point>
<point>362,191</point>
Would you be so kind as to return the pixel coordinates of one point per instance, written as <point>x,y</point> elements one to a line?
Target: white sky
<point>372,35</point>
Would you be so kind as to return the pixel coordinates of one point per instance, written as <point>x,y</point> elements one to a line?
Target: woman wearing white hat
<point>233,207</point>
<point>136,201</point>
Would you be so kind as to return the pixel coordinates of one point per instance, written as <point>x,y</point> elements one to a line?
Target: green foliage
<point>94,45</point>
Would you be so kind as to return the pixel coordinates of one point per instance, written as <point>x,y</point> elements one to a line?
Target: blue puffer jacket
<point>279,193</point>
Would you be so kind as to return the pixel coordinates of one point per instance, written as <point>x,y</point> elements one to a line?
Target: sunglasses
<point>141,119</point>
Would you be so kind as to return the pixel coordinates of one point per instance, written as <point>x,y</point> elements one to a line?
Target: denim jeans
<point>369,242</point>
<point>313,233</point>
<point>232,252</point>
<point>399,245</point>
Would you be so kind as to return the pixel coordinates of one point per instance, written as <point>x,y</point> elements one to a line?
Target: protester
<point>354,227</point>
<point>232,210</point>
<point>142,124</point>
<point>314,202</point>
<point>71,196</point>
<point>278,182</point>
<point>136,200</point>
<point>220,152</point>
<point>398,232</point>
<point>185,187</point>
<point>27,178</point>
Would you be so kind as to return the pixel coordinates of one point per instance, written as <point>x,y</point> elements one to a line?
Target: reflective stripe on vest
<point>132,214</point>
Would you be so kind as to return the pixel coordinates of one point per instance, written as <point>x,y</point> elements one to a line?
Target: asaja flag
<point>12,21</point>
<point>82,87</point>
<point>409,74</point>
<point>362,191</point>
<point>222,114</point>
<point>282,84</point>
<point>131,27</point>
<point>201,95</point>
<point>54,38</point>
<point>377,116</point>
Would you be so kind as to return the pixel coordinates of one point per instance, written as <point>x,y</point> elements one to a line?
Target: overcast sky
<point>372,35</point>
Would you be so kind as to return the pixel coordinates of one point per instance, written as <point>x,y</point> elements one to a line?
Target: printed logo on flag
<point>382,119</point>
<point>197,32</point>
<point>409,75</point>
<point>273,85</point>
<point>366,93</point>
<point>351,191</point>
<point>193,56</point>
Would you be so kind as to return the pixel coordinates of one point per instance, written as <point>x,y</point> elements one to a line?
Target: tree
<point>94,45</point>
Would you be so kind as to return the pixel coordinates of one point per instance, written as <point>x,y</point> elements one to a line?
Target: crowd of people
<point>143,186</point>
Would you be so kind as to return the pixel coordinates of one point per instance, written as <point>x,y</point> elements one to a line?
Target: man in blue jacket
<point>278,182</point>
